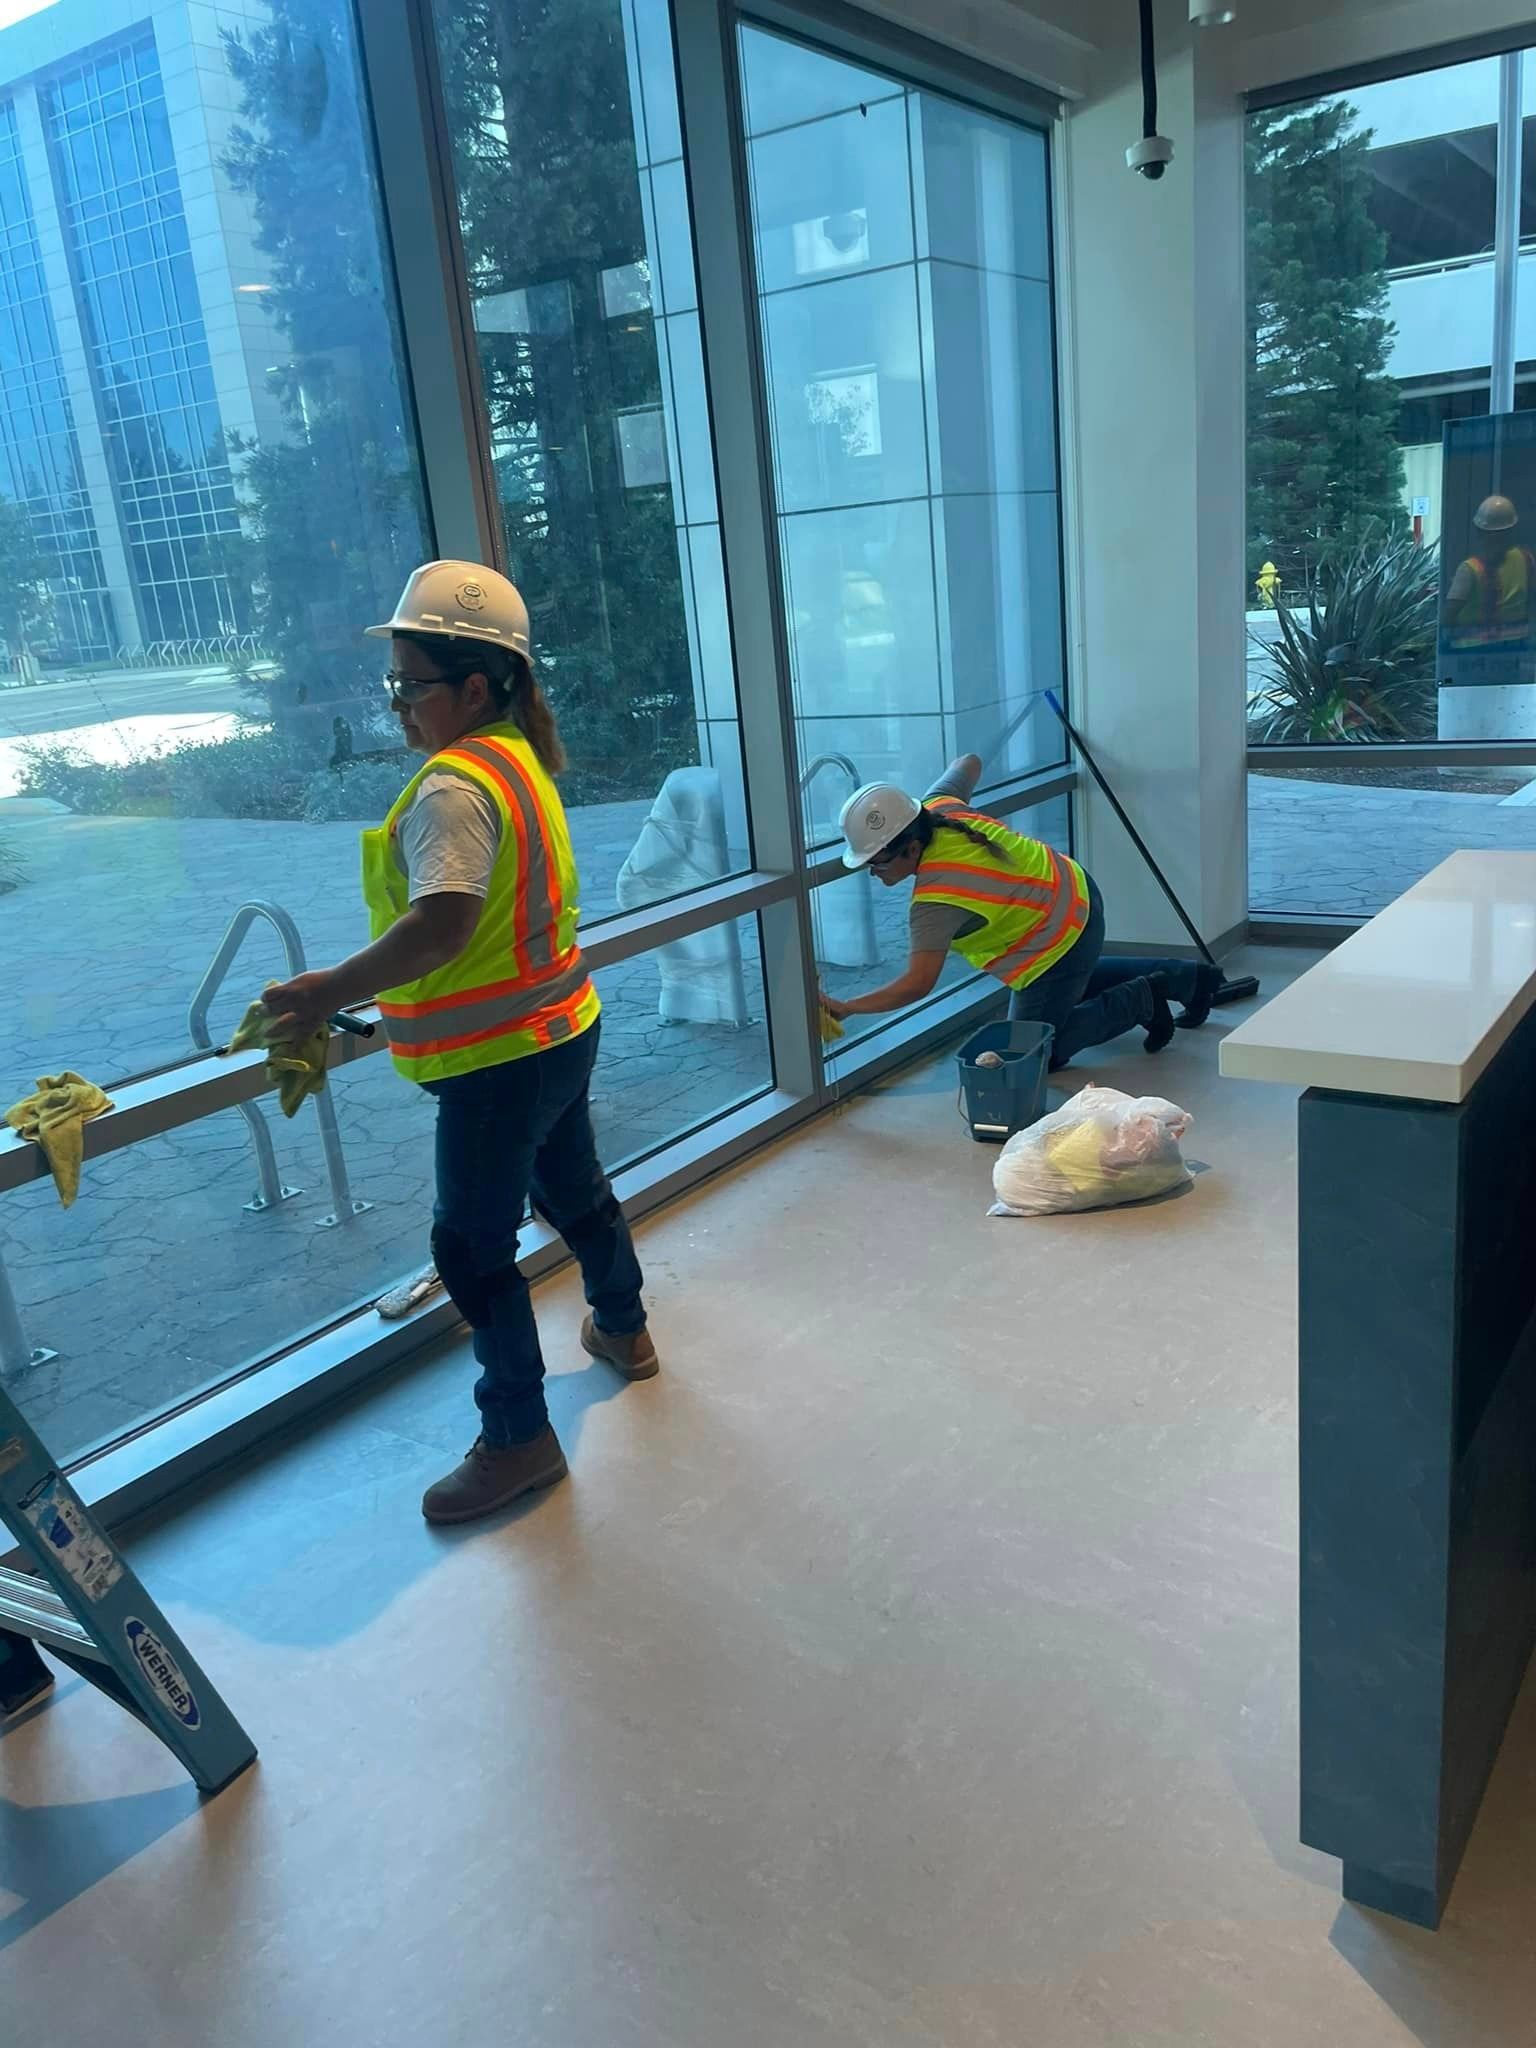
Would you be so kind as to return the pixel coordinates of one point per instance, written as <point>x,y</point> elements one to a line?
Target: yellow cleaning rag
<point>55,1118</point>
<point>831,1027</point>
<point>298,1069</point>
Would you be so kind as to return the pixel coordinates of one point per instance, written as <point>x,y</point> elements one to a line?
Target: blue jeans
<point>1088,1000</point>
<point>507,1135</point>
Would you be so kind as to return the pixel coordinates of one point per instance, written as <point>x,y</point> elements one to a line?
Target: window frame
<point>403,100</point>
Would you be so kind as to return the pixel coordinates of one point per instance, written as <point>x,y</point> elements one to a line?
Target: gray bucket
<point>996,1101</point>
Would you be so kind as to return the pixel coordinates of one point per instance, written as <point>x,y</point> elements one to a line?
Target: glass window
<point>231,551</point>
<point>1370,308</point>
<point>574,213</point>
<point>1376,485</point>
<point>902,247</point>
<point>684,1041</point>
<point>835,196</point>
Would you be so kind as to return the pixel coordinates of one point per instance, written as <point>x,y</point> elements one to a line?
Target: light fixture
<point>253,287</point>
<point>1210,13</point>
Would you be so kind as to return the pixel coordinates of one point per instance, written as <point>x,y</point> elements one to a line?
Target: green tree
<point>539,110</point>
<point>25,599</point>
<point>332,515</point>
<point>1324,467</point>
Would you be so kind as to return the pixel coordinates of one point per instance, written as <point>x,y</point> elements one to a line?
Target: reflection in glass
<point>573,206</point>
<point>1370,307</point>
<point>902,245</point>
<point>685,1039</point>
<point>186,1284</point>
<point>208,486</point>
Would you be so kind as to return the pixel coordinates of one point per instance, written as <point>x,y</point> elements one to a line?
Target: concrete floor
<point>911,1666</point>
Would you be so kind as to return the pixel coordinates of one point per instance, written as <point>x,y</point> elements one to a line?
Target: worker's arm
<point>959,778</point>
<point>920,979</point>
<point>430,934</point>
<point>1463,583</point>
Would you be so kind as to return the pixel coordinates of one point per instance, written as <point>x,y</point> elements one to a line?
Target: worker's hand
<point>834,1008</point>
<point>299,1007</point>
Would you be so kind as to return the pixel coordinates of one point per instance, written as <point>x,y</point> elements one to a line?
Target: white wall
<point>1156,455</point>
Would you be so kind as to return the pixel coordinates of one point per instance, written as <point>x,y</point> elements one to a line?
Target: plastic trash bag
<point>1100,1149</point>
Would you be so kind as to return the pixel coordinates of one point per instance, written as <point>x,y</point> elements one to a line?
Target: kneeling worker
<point>1016,909</point>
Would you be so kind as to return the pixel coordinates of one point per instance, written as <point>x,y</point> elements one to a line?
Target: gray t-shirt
<point>448,838</point>
<point>934,927</point>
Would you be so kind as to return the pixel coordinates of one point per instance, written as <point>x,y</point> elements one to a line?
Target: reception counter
<point>1415,1044</point>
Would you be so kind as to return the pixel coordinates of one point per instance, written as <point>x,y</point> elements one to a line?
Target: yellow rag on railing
<point>298,1069</point>
<point>55,1117</point>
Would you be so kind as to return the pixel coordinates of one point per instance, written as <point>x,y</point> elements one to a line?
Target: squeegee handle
<point>1136,839</point>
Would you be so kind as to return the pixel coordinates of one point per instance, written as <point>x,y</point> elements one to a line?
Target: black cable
<point>1148,72</point>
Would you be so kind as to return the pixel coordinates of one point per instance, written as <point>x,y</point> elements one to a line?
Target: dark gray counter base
<point>1418,1470</point>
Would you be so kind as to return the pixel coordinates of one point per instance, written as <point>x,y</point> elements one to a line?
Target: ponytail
<point>951,823</point>
<point>927,822</point>
<point>531,709</point>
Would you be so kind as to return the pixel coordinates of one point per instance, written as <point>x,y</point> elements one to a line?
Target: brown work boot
<point>494,1475</point>
<point>634,1357</point>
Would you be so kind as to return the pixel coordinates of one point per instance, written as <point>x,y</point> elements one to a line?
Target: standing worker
<point>1014,908</point>
<point>472,899</point>
<point>1488,605</point>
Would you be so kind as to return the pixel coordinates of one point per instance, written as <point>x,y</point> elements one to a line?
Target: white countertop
<point>1418,1001</point>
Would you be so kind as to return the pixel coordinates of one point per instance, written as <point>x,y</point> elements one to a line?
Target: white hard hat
<point>1496,514</point>
<point>872,817</point>
<point>462,598</point>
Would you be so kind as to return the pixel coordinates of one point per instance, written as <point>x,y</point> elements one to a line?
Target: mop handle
<point>1140,844</point>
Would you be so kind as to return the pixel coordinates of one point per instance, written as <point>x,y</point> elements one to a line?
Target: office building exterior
<point>135,351</point>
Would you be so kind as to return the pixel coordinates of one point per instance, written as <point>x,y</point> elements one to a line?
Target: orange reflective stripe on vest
<point>521,984</point>
<point>1033,902</point>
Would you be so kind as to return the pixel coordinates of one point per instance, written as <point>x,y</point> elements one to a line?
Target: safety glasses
<point>411,689</point>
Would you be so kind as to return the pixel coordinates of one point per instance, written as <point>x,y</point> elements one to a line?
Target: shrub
<point>365,791</point>
<point>1357,661</point>
<point>255,773</point>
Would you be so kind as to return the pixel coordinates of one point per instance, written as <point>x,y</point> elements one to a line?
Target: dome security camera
<point>1151,156</point>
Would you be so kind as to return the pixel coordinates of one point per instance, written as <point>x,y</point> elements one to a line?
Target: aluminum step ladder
<point>89,1611</point>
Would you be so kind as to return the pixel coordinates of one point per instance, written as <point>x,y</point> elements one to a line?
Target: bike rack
<point>270,1191</point>
<point>15,1351</point>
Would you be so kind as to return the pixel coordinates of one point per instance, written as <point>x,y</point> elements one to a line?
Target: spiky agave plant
<point>1356,661</point>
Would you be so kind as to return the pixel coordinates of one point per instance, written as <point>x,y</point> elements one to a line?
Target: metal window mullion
<point>715,167</point>
<point>421,219</point>
<point>1506,239</point>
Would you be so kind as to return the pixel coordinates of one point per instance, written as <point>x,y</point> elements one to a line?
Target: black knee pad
<point>473,1292</point>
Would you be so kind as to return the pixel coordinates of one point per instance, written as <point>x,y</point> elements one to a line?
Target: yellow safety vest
<point>1033,900</point>
<point>1497,607</point>
<point>520,985</point>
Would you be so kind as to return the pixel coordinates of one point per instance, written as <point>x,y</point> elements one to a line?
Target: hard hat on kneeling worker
<point>463,599</point>
<point>872,817</point>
